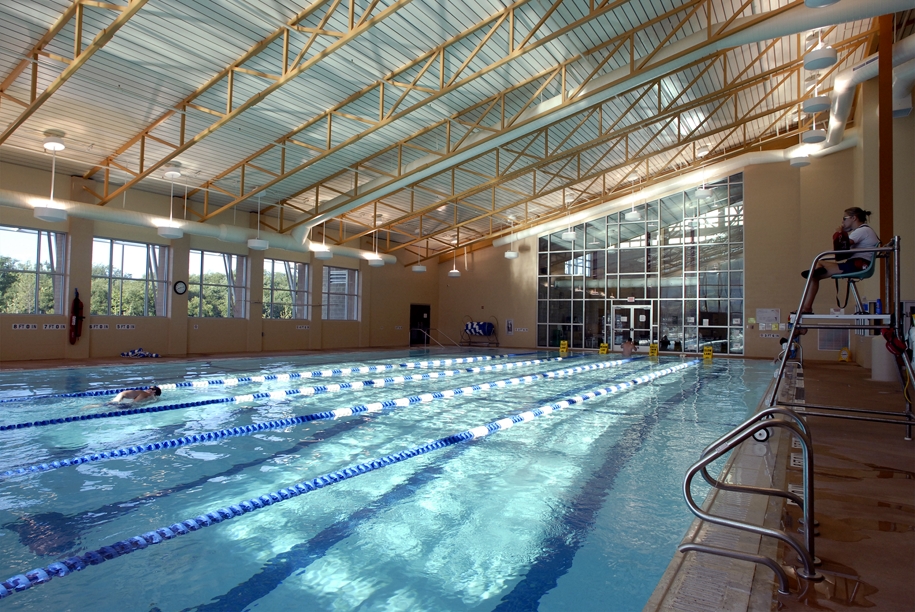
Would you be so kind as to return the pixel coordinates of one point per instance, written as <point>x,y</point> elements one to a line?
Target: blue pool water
<point>579,509</point>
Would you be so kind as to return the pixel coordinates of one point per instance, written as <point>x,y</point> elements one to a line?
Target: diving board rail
<point>758,427</point>
<point>890,324</point>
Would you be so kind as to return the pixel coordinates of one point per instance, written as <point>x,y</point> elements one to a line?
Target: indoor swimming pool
<point>397,480</point>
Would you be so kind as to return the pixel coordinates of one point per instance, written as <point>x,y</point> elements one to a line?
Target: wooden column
<point>885,98</point>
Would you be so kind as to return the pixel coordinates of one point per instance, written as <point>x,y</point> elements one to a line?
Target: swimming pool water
<point>580,509</point>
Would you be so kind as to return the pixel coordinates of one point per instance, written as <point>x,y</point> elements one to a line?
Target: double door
<point>632,321</point>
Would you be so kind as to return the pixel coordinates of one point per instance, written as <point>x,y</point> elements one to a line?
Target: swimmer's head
<point>156,390</point>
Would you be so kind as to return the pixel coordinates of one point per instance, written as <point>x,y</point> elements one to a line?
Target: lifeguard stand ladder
<point>889,255</point>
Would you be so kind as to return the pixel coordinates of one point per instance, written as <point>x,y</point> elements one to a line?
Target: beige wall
<point>387,292</point>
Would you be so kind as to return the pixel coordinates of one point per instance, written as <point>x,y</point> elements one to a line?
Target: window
<point>32,267</point>
<point>340,293</point>
<point>128,279</point>
<point>216,285</point>
<point>285,289</point>
<point>680,259</point>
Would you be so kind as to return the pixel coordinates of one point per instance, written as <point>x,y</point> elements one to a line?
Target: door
<point>632,321</point>
<point>420,317</point>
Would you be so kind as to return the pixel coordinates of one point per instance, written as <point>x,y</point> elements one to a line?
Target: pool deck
<point>864,480</point>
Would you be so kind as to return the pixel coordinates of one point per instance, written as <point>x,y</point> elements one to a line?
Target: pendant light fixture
<point>702,151</point>
<point>171,231</point>
<point>256,244</point>
<point>322,251</point>
<point>376,261</point>
<point>454,272</point>
<point>48,212</point>
<point>511,253</point>
<point>817,103</point>
<point>814,135</point>
<point>703,193</point>
<point>821,56</point>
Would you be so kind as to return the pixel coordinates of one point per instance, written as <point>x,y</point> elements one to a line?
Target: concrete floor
<point>864,481</point>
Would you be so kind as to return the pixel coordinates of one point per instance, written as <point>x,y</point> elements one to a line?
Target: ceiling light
<point>703,193</point>
<point>819,3</point>
<point>511,254</point>
<point>569,235</point>
<point>53,143</point>
<point>799,161</point>
<point>48,212</point>
<point>256,244</point>
<point>702,151</point>
<point>813,136</point>
<point>418,268</point>
<point>170,232</point>
<point>454,273</point>
<point>820,58</point>
<point>172,172</point>
<point>817,104</point>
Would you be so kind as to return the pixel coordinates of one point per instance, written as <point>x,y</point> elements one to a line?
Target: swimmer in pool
<point>137,396</point>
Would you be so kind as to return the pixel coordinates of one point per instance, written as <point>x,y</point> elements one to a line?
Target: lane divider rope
<point>42,575</point>
<point>307,418</point>
<point>203,383</point>
<point>379,382</point>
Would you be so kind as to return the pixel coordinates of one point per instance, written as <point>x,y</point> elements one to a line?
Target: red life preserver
<point>76,319</point>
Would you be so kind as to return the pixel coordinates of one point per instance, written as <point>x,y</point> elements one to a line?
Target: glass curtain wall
<point>667,271</point>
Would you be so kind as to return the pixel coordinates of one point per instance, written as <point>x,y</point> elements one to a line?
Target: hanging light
<point>511,253</point>
<point>376,261</point>
<point>322,251</point>
<point>821,56</point>
<point>172,171</point>
<point>171,231</point>
<point>454,272</point>
<point>48,212</point>
<point>256,244</point>
<point>702,151</point>
<point>703,193</point>
<point>813,136</point>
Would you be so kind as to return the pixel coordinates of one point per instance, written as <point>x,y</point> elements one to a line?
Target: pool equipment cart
<point>759,422</point>
<point>891,324</point>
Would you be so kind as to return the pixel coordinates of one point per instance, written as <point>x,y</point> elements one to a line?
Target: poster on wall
<point>768,316</point>
<point>509,327</point>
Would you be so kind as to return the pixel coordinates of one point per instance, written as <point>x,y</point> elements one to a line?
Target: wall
<point>387,292</point>
<point>492,286</point>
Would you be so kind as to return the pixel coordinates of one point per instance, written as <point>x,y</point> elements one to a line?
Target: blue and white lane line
<point>378,382</point>
<point>41,575</point>
<point>307,418</point>
<point>204,383</point>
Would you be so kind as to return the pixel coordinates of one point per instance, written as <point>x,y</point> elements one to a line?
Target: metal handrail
<point>428,335</point>
<point>763,414</point>
<point>893,247</point>
<point>806,555</point>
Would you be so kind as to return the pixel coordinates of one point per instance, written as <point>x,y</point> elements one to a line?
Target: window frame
<point>269,295</point>
<point>159,284</point>
<point>236,291</point>
<point>59,240</point>
<point>327,293</point>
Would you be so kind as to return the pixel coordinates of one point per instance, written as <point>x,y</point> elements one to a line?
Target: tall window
<point>340,293</point>
<point>128,278</point>
<point>32,268</point>
<point>216,285</point>
<point>669,271</point>
<point>285,289</point>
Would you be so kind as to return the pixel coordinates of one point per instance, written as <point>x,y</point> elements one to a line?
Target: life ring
<point>76,319</point>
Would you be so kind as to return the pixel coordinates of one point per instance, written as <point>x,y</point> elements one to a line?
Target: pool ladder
<point>758,427</point>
